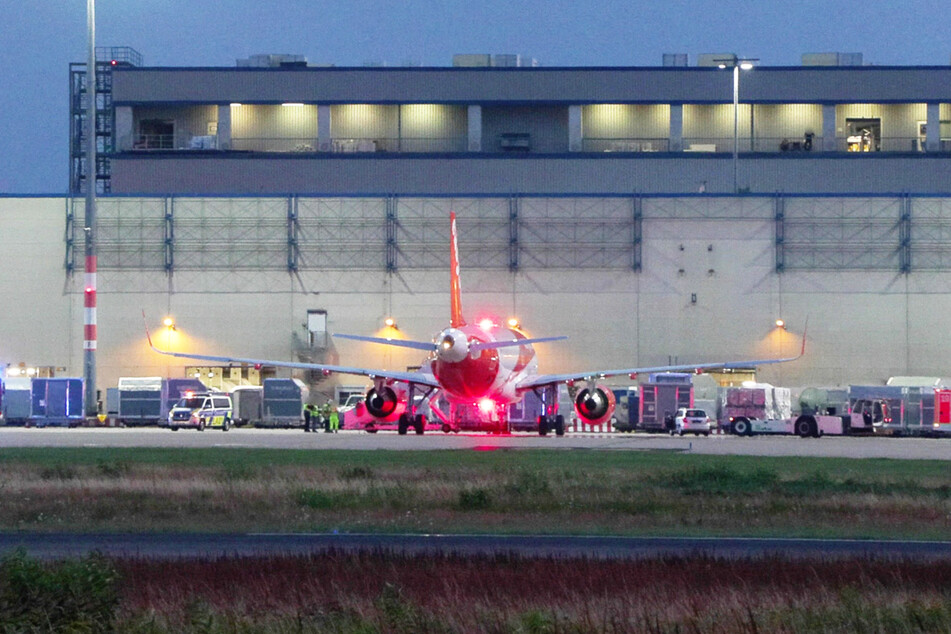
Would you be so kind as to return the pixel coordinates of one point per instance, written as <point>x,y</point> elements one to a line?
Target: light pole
<point>737,64</point>
<point>89,286</point>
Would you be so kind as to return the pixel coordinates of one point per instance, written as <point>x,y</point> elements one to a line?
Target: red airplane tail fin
<point>455,302</point>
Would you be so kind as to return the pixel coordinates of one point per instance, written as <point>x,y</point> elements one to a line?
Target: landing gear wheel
<point>446,428</point>
<point>559,425</point>
<point>402,425</point>
<point>543,425</point>
<point>370,429</point>
<point>419,424</point>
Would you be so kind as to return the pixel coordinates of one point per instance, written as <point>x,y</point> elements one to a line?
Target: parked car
<point>691,421</point>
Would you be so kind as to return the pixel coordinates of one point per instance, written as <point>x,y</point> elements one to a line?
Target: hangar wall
<point>706,289</point>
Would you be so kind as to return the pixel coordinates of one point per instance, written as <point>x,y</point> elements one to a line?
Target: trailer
<point>57,401</point>
<point>248,402</point>
<point>16,405</point>
<point>283,403</point>
<point>148,400</point>
<point>627,413</point>
<point>662,395</point>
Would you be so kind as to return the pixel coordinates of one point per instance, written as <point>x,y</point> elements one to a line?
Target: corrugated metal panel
<point>791,120</point>
<point>901,120</point>
<point>432,128</point>
<point>273,128</point>
<point>856,111</point>
<point>617,121</point>
<point>364,121</point>
<point>714,124</point>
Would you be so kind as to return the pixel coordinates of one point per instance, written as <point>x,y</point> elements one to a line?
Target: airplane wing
<point>419,378</point>
<point>549,379</point>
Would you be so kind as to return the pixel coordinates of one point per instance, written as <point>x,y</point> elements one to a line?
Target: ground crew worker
<point>310,417</point>
<point>334,419</point>
<point>325,411</point>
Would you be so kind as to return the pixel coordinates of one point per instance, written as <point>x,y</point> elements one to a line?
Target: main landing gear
<point>550,420</point>
<point>417,422</point>
<point>551,423</point>
<point>409,418</point>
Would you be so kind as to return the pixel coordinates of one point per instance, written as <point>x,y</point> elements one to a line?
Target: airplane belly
<point>469,378</point>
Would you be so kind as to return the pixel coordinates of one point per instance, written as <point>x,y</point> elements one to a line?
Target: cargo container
<point>16,405</point>
<point>283,403</point>
<point>57,401</point>
<point>626,414</point>
<point>248,401</point>
<point>147,400</point>
<point>662,395</point>
<point>754,402</point>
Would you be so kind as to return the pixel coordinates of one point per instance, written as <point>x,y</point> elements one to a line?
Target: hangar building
<point>633,209</point>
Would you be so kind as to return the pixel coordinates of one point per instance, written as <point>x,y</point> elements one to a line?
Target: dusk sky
<point>38,40</point>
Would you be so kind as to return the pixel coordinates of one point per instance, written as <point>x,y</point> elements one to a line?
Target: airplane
<point>485,364</point>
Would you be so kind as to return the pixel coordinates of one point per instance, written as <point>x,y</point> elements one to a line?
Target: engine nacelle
<point>595,406</point>
<point>381,403</point>
<point>452,346</point>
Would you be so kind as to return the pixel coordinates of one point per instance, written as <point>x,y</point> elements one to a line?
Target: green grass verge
<point>506,491</point>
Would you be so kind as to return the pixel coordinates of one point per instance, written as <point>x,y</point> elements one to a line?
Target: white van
<point>200,411</point>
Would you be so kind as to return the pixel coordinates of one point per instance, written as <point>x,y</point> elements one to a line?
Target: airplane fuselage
<point>489,373</point>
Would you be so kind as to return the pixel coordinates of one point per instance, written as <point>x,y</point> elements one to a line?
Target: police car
<point>201,410</point>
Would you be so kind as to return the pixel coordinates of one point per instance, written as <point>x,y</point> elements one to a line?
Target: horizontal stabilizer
<point>400,343</point>
<point>491,345</point>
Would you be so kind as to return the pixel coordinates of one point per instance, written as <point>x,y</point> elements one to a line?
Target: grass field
<point>523,491</point>
<point>387,593</point>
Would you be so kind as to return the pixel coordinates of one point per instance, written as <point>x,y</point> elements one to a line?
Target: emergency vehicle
<point>200,411</point>
<point>942,411</point>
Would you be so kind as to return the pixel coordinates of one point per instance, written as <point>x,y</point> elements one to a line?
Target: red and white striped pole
<point>89,287</point>
<point>89,314</point>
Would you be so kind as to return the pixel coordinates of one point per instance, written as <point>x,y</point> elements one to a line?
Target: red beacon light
<point>487,405</point>
<point>486,324</point>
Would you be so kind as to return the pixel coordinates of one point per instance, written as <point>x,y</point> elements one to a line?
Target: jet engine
<point>382,402</point>
<point>452,345</point>
<point>595,405</point>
